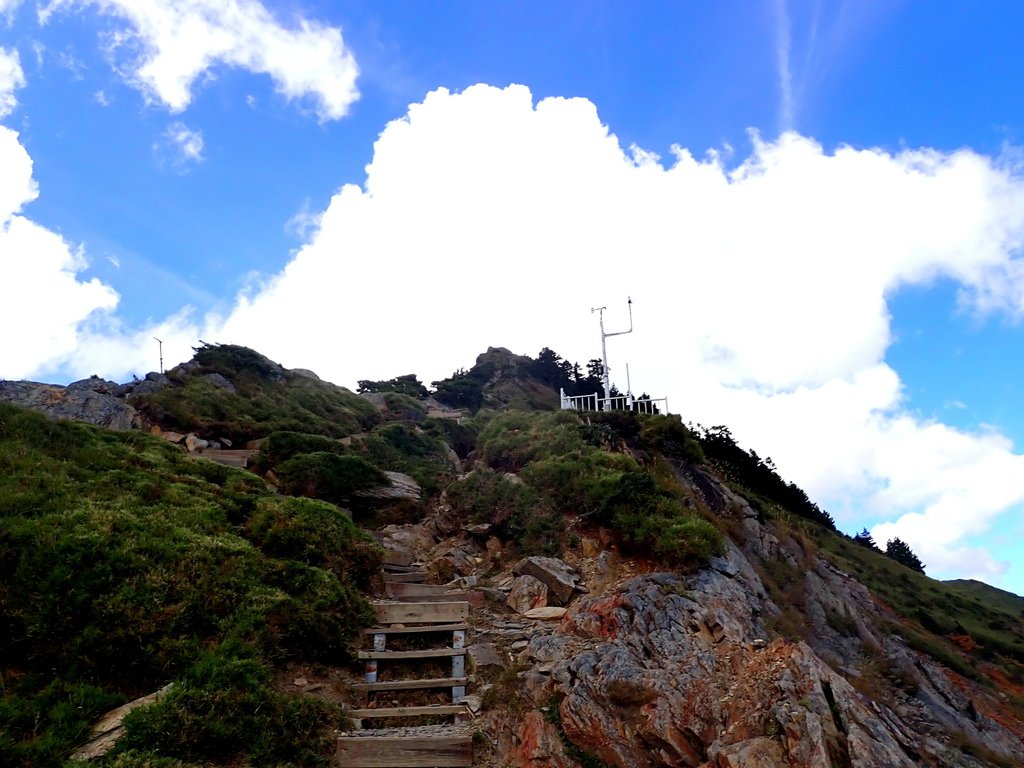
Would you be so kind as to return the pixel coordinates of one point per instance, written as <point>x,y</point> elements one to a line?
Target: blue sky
<point>818,208</point>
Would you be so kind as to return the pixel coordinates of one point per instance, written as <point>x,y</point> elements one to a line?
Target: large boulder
<point>89,400</point>
<point>560,578</point>
<point>527,592</point>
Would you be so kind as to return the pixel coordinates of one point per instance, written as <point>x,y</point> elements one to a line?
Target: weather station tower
<point>605,368</point>
<point>605,401</point>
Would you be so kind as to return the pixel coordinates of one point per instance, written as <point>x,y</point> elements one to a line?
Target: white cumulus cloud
<point>166,45</point>
<point>42,301</point>
<point>760,289</point>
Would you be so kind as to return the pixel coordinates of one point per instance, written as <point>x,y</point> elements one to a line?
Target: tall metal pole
<point>604,349</point>
<point>161,354</point>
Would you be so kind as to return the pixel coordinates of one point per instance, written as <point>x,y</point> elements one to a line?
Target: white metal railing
<point>618,403</point>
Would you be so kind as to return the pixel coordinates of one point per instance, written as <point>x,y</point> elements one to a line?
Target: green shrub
<point>570,468</point>
<point>281,446</point>
<point>316,534</point>
<point>267,399</point>
<point>405,448</point>
<point>460,436</point>
<point>328,476</point>
<point>514,508</point>
<point>668,436</point>
<point>226,709</point>
<point>408,385</point>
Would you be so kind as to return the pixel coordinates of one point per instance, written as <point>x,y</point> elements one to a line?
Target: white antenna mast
<point>604,348</point>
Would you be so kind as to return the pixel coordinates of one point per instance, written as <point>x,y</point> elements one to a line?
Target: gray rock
<point>153,383</point>
<point>527,592</point>
<point>85,400</point>
<point>400,486</point>
<point>193,443</point>
<point>220,382</point>
<point>560,578</point>
<point>484,655</point>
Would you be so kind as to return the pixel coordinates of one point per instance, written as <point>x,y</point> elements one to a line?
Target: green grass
<point>125,565</point>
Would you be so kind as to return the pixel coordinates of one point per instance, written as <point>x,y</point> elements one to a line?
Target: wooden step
<point>415,630</point>
<point>451,596</point>
<point>405,578</point>
<point>397,558</point>
<point>410,685</point>
<point>396,589</point>
<point>404,752</point>
<point>427,710</point>
<point>395,568</point>
<point>421,613</point>
<point>431,653</point>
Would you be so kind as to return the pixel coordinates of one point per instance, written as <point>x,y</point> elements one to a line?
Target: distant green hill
<point>986,593</point>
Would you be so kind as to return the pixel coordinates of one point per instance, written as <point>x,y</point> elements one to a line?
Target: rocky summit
<point>233,563</point>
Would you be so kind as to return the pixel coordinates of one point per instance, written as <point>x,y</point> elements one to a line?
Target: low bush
<point>281,446</point>
<point>515,509</point>
<point>571,467</point>
<point>399,447</point>
<point>328,476</point>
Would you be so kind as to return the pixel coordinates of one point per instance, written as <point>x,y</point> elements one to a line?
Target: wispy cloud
<point>783,50</point>
<point>11,79</point>
<point>179,147</point>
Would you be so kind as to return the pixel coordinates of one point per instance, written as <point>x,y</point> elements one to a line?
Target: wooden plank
<point>430,653</point>
<point>427,710</point>
<point>398,558</point>
<point>473,597</point>
<point>393,568</point>
<point>421,613</point>
<point>410,685</point>
<point>415,630</point>
<point>404,751</point>
<point>401,590</point>
<point>405,578</point>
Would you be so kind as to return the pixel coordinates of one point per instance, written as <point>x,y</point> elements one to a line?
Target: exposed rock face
<point>679,674</point>
<point>89,400</point>
<point>667,670</point>
<point>677,681</point>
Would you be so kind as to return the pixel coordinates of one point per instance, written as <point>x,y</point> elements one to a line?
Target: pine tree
<point>865,539</point>
<point>901,552</point>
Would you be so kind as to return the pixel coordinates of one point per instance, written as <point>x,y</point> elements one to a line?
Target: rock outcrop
<point>91,400</point>
<point>666,670</point>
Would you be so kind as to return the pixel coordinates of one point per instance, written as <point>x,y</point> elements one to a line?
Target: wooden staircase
<point>415,612</point>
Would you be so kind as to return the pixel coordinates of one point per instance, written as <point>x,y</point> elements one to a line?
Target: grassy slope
<point>989,594</point>
<point>938,615</point>
<point>125,565</point>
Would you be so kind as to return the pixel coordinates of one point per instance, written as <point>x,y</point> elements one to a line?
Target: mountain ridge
<point>748,594</point>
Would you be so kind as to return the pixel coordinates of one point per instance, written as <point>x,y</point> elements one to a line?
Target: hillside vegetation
<point>227,391</point>
<point>125,565</point>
